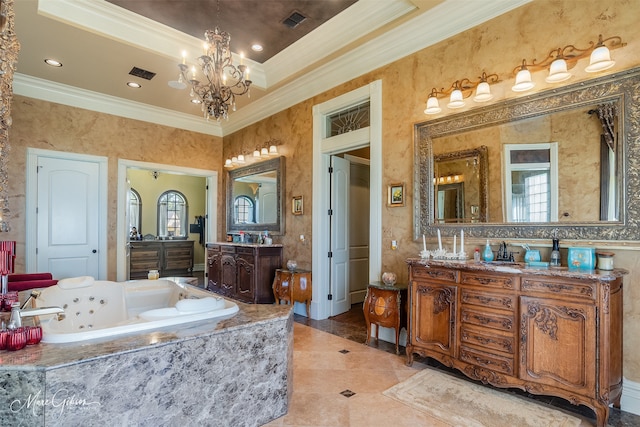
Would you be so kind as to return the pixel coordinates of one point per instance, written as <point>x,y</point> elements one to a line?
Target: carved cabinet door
<point>228,275</point>
<point>434,327</point>
<point>214,270</point>
<point>557,342</point>
<point>245,270</point>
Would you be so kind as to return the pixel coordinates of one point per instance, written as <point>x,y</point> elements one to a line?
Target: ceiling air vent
<point>143,74</point>
<point>295,19</point>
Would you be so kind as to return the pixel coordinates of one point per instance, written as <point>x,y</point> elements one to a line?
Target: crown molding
<point>46,90</point>
<point>443,21</point>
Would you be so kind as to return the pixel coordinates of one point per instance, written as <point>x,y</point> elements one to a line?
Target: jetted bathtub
<point>98,309</point>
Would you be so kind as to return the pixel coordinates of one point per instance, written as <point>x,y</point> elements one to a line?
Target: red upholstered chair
<point>22,282</point>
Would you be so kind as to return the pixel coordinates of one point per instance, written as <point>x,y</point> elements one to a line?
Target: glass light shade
<point>483,92</point>
<point>256,153</point>
<point>273,150</point>
<point>523,81</point>
<point>433,106</point>
<point>558,71</point>
<point>600,60</point>
<point>234,160</point>
<point>227,163</point>
<point>456,101</point>
<point>264,152</point>
<point>241,159</point>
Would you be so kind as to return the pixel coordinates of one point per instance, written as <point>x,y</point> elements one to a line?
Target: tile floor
<point>338,381</point>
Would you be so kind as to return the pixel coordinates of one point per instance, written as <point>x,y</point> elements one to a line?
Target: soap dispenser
<point>554,261</point>
<point>487,255</point>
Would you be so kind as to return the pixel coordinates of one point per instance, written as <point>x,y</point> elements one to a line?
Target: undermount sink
<point>501,263</point>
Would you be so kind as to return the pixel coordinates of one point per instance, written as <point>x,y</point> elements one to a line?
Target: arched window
<point>245,210</point>
<point>135,212</point>
<point>172,214</point>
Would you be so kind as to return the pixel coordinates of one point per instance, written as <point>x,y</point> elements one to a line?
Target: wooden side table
<point>293,286</point>
<point>386,306</point>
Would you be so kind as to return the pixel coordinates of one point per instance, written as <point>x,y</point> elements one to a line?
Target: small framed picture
<point>396,195</point>
<point>296,205</point>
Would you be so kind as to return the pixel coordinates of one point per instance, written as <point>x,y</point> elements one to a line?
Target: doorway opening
<point>203,207</point>
<point>327,148</point>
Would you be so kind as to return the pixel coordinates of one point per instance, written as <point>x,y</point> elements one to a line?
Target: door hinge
<point>329,297</point>
<point>330,255</point>
<point>330,212</point>
<point>206,187</point>
<point>330,169</point>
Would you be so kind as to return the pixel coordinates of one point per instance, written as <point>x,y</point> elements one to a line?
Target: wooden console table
<point>386,306</point>
<point>292,286</point>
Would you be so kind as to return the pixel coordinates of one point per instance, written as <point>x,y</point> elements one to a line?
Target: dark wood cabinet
<point>550,332</point>
<point>170,258</point>
<point>243,271</point>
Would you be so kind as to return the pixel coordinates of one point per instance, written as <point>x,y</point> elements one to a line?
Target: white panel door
<point>341,301</point>
<point>68,219</point>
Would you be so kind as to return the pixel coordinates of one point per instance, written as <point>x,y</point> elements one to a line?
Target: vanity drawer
<point>244,250</point>
<point>559,287</point>
<point>487,360</point>
<point>484,299</point>
<point>484,338</point>
<point>489,280</point>
<point>500,321</point>
<point>444,275</point>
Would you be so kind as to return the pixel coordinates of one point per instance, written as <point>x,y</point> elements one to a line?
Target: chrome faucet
<point>17,314</point>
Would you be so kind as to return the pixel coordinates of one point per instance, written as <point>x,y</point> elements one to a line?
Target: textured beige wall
<point>498,46</point>
<point>48,126</point>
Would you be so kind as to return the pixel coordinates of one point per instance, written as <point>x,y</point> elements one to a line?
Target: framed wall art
<point>396,195</point>
<point>296,205</point>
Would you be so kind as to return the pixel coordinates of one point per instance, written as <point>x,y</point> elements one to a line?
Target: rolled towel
<point>76,282</point>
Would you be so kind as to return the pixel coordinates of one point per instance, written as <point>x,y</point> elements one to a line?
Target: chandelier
<point>222,81</point>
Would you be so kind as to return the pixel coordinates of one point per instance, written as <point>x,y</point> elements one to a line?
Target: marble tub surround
<point>233,372</point>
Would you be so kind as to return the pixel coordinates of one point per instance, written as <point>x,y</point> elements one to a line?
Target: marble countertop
<point>521,268</point>
<point>250,245</point>
<point>45,356</point>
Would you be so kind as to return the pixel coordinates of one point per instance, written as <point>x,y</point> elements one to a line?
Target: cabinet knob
<point>94,251</point>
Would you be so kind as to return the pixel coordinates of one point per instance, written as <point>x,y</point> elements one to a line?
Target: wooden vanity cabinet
<point>550,332</point>
<point>170,258</point>
<point>243,271</point>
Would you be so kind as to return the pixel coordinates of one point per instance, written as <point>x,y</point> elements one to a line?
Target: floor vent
<point>143,74</point>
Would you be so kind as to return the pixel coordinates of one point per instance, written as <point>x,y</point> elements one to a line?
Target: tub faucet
<point>17,314</point>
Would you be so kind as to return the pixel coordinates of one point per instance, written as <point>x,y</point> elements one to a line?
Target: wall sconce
<point>459,90</point>
<point>560,60</point>
<point>448,179</point>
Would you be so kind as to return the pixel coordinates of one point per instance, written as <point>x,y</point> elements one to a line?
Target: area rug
<point>462,403</point>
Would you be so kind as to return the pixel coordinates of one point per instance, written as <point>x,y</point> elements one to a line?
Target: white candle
<point>424,243</point>
<point>455,243</point>
<point>439,240</point>
<point>461,241</point>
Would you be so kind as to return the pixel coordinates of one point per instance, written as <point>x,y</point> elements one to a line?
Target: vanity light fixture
<point>433,106</point>
<point>523,79</point>
<point>461,89</point>
<point>559,61</point>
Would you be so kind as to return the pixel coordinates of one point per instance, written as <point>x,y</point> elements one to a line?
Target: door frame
<point>211,214</point>
<point>323,148</point>
<point>31,204</point>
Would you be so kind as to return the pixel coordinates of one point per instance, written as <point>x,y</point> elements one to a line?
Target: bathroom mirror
<point>255,197</point>
<point>594,188</point>
<point>460,186</point>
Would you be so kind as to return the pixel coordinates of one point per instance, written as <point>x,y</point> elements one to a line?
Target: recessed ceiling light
<point>196,101</point>
<point>134,85</point>
<point>53,62</point>
<point>256,47</point>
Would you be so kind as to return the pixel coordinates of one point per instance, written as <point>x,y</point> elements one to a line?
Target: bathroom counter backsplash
<point>521,268</point>
<point>40,356</point>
